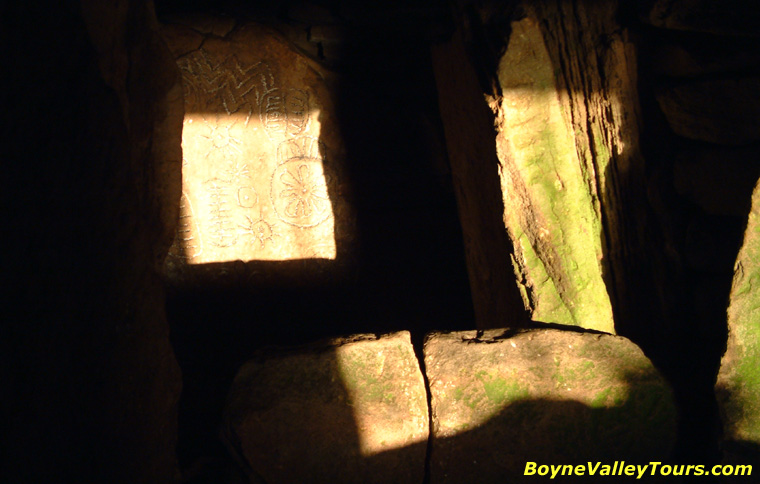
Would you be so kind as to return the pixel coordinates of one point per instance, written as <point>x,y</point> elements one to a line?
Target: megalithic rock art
<point>263,158</point>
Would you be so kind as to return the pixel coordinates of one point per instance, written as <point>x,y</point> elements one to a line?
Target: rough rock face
<point>738,385</point>
<point>262,157</point>
<point>541,395</point>
<point>690,57</point>
<point>550,194</point>
<point>728,17</point>
<point>468,125</point>
<point>700,85</point>
<point>599,100</point>
<point>567,156</point>
<point>718,180</point>
<point>720,111</point>
<point>351,410</point>
<point>90,382</point>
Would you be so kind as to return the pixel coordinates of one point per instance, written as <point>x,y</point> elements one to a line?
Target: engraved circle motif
<point>299,192</point>
<point>247,197</point>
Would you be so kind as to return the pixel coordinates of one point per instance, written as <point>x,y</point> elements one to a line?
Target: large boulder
<point>503,398</point>
<point>347,410</point>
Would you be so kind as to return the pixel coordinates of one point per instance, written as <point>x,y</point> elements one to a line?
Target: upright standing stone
<point>352,410</point>
<point>738,385</point>
<point>561,89</point>
<point>262,159</point>
<point>550,194</point>
<point>547,396</point>
<point>468,124</point>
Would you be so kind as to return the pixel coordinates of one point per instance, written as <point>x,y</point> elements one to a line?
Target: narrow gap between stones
<point>418,343</point>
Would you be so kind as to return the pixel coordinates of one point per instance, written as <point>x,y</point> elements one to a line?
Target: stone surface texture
<point>90,382</point>
<point>262,175</point>
<point>692,57</point>
<point>720,180</point>
<point>727,17</point>
<point>468,125</point>
<point>349,410</point>
<point>502,398</point>
<point>560,85</point>
<point>738,385</point>
<point>721,111</point>
<point>550,208</point>
<point>567,141</point>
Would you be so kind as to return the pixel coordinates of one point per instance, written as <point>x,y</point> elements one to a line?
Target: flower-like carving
<point>299,192</point>
<point>304,195</point>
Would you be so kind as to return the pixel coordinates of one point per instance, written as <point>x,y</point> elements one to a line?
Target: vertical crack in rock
<point>348,410</point>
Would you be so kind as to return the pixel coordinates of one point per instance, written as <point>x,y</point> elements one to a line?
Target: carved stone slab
<point>351,410</point>
<point>558,397</point>
<point>262,158</point>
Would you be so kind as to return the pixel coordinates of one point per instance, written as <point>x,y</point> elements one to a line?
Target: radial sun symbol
<point>259,230</point>
<point>220,138</point>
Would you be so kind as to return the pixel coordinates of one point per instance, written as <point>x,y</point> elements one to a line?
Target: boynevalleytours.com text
<point>636,471</point>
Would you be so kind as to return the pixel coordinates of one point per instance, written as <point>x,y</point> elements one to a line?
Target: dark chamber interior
<point>410,270</point>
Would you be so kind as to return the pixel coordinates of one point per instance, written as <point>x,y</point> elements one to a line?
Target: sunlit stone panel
<point>262,156</point>
<point>551,205</point>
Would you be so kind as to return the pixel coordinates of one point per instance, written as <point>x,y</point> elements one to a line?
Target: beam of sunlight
<point>254,181</point>
<point>386,391</point>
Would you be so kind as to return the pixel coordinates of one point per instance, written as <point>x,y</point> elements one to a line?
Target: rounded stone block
<point>344,411</point>
<point>502,399</point>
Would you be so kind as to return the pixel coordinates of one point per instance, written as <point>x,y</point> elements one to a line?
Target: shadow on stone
<point>548,432</point>
<point>315,413</point>
<point>301,415</point>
